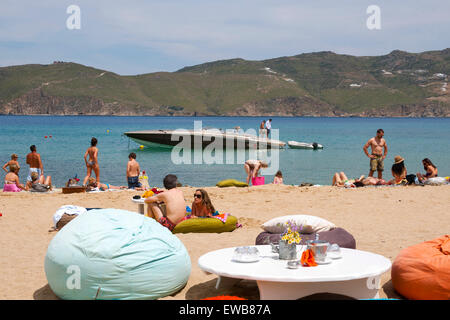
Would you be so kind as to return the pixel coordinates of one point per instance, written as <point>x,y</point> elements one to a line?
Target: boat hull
<point>201,139</point>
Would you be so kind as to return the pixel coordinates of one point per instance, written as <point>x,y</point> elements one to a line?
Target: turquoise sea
<point>343,139</point>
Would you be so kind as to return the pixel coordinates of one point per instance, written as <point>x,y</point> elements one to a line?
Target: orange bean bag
<point>422,272</point>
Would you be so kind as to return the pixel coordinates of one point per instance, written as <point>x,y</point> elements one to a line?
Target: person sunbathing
<point>341,180</point>
<point>93,185</point>
<point>202,206</point>
<point>12,183</point>
<point>430,168</point>
<point>38,183</point>
<point>167,207</point>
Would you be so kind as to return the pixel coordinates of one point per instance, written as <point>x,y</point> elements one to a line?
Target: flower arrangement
<point>292,233</point>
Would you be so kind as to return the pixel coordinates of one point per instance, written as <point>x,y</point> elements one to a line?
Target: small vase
<point>287,251</point>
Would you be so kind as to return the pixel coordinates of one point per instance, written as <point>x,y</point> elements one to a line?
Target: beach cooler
<point>258,181</point>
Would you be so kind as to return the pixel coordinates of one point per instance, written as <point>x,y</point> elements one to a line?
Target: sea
<point>63,140</point>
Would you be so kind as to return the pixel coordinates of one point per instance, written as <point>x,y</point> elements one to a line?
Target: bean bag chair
<point>115,254</point>
<point>336,235</point>
<point>422,272</point>
<point>231,183</point>
<point>206,225</point>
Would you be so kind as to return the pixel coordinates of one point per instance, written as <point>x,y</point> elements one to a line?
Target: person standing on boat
<point>377,145</point>
<point>262,129</point>
<point>268,127</point>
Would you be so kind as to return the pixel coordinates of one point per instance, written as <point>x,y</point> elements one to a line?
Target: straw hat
<point>398,159</point>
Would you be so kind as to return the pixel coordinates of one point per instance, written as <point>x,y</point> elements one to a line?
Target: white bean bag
<point>116,254</point>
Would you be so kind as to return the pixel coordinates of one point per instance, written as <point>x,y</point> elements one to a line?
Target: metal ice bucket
<point>319,248</point>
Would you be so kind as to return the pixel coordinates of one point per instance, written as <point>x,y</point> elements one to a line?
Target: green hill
<point>312,84</point>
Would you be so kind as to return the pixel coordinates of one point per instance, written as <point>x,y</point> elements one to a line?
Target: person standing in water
<point>35,163</point>
<point>377,145</point>
<point>92,164</point>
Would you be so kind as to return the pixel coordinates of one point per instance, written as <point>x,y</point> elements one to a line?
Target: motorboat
<point>229,139</point>
<point>304,145</point>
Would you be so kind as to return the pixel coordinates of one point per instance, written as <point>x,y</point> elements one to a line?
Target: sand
<point>383,220</point>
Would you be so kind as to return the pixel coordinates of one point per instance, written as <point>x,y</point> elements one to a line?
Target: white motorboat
<point>202,138</point>
<point>304,145</point>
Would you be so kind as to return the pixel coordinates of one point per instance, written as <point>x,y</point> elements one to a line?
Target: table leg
<point>358,289</point>
<point>141,208</point>
<point>225,281</point>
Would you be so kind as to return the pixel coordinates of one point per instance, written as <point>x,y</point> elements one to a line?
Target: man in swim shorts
<point>168,207</point>
<point>35,163</point>
<point>378,146</point>
<point>133,171</point>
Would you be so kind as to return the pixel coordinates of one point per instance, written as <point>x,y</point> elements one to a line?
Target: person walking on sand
<point>379,152</point>
<point>92,164</point>
<point>167,207</point>
<point>133,171</point>
<point>35,163</point>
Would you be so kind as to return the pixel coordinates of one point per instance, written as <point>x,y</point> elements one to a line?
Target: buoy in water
<point>141,147</point>
<point>45,137</point>
<point>107,131</point>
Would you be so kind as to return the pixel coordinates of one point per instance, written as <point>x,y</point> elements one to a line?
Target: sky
<point>142,36</point>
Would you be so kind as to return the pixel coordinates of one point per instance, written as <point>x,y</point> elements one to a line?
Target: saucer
<point>246,260</point>
<point>327,261</point>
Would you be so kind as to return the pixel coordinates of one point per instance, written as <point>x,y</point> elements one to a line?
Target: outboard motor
<point>315,145</point>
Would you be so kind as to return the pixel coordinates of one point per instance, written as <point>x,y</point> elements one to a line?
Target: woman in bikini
<point>92,164</point>
<point>430,168</point>
<point>12,183</point>
<point>13,160</point>
<point>399,172</point>
<point>93,185</point>
<point>202,206</point>
<point>252,168</point>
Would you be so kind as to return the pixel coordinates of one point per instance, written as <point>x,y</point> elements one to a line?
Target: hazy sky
<point>133,37</point>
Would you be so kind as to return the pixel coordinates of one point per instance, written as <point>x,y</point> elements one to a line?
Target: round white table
<point>357,274</point>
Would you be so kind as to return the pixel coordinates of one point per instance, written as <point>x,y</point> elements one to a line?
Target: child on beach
<point>133,171</point>
<point>202,206</point>
<point>174,209</point>
<point>14,161</point>
<point>278,179</point>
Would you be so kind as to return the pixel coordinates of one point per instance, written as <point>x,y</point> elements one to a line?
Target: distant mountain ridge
<point>312,84</point>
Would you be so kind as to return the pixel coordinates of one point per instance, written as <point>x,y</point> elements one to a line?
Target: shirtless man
<point>133,171</point>
<point>92,164</point>
<point>377,144</point>
<point>174,208</point>
<point>35,163</point>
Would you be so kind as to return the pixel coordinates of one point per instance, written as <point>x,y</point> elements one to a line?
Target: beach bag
<point>411,178</point>
<point>110,254</point>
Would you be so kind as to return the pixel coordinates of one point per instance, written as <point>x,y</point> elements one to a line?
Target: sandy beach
<point>383,220</point>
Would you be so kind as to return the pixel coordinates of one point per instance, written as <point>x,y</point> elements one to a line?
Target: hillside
<point>312,84</point>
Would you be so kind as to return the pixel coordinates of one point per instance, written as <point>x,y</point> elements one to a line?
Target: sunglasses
<point>199,196</point>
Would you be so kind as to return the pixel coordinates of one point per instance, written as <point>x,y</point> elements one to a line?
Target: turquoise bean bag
<point>116,254</point>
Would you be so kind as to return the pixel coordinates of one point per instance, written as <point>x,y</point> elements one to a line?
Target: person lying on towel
<point>168,207</point>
